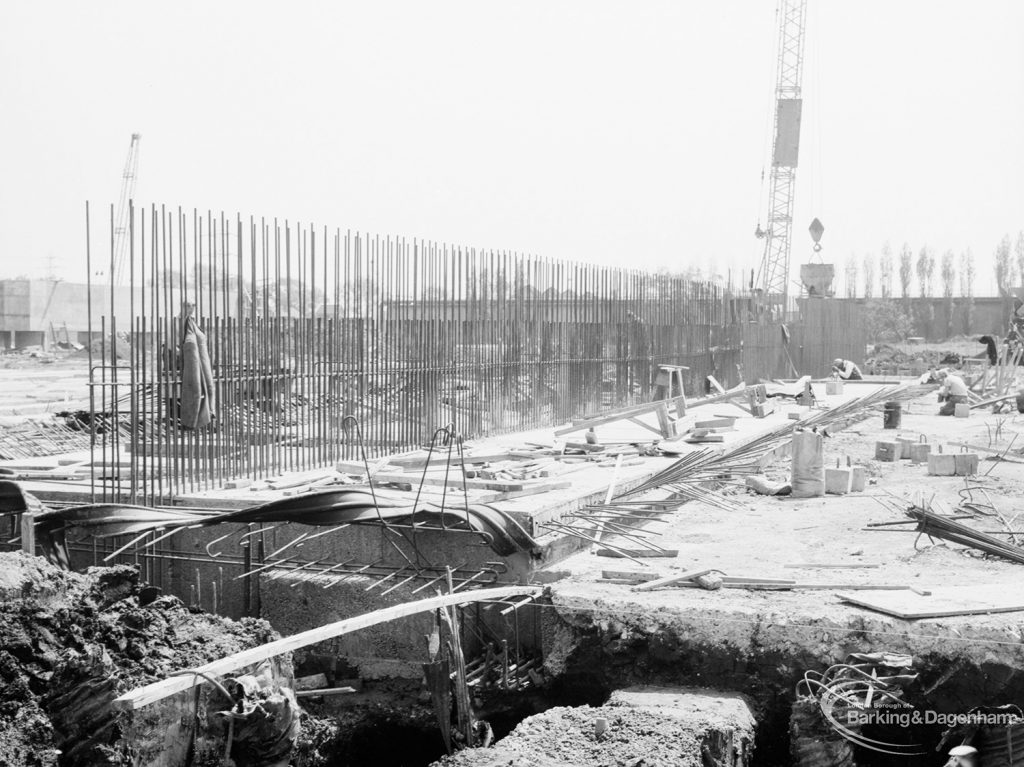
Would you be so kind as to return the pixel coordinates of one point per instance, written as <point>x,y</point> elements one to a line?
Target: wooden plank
<point>621,415</point>
<point>638,422</point>
<point>454,481</point>
<point>946,603</point>
<point>1003,452</point>
<point>28,532</point>
<point>621,554</point>
<point>627,575</point>
<point>441,457</point>
<point>586,447</point>
<point>717,386</point>
<point>993,401</point>
<point>618,415</point>
<point>752,582</point>
<point>834,565</point>
<point>546,487</point>
<point>665,423</point>
<point>325,691</point>
<point>151,693</point>
<point>717,422</point>
<point>670,579</point>
<point>815,586</point>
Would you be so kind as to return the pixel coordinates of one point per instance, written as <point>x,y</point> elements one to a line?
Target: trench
<point>597,657</point>
<point>600,656</point>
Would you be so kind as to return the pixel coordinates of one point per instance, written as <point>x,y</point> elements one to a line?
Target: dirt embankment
<point>70,643</point>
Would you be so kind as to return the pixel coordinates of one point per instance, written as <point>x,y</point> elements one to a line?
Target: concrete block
<point>887,451</point>
<point>833,387</point>
<point>942,464</point>
<point>838,481</point>
<point>762,409</point>
<point>962,410</point>
<point>919,452</point>
<point>906,443</point>
<point>966,464</point>
<point>858,479</point>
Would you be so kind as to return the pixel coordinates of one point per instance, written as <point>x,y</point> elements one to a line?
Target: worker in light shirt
<point>846,369</point>
<point>952,392</point>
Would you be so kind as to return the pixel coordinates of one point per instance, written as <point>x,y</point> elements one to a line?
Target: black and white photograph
<point>579,383</point>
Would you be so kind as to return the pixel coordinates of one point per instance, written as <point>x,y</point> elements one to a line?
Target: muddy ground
<point>70,643</point>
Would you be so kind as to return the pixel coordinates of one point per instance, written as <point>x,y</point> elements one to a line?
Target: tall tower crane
<point>121,225</point>
<point>773,274</point>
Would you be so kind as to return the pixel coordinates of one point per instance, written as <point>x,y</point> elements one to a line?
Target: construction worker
<point>846,369</point>
<point>952,392</point>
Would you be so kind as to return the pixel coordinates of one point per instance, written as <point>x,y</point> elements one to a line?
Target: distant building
<point>39,312</point>
<point>33,311</point>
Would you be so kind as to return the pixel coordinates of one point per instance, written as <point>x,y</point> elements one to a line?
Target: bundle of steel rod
<point>937,526</point>
<point>695,476</point>
<point>34,437</point>
<point>686,476</point>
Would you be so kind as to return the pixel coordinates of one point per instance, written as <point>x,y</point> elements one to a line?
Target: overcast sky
<point>611,132</point>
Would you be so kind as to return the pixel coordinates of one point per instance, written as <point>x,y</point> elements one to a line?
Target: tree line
<point>926,274</point>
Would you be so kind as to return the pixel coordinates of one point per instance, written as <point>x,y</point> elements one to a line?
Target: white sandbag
<point>808,465</point>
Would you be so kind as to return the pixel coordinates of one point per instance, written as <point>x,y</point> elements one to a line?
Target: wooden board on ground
<point>636,410</point>
<point>1003,452</point>
<point>705,438</point>
<point>454,481</point>
<point>719,422</point>
<point>441,457</point>
<point>947,602</point>
<point>622,553</point>
<point>841,565</point>
<point>545,487</point>
<point>668,580</point>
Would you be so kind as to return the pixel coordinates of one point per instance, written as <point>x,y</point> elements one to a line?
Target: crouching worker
<point>952,392</point>
<point>846,369</point>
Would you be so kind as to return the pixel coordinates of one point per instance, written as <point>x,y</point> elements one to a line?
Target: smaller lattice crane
<point>122,231</point>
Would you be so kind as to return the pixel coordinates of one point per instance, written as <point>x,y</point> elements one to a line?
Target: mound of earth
<point>70,643</point>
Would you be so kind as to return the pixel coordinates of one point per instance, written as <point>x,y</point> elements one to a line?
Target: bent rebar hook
<point>376,506</point>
